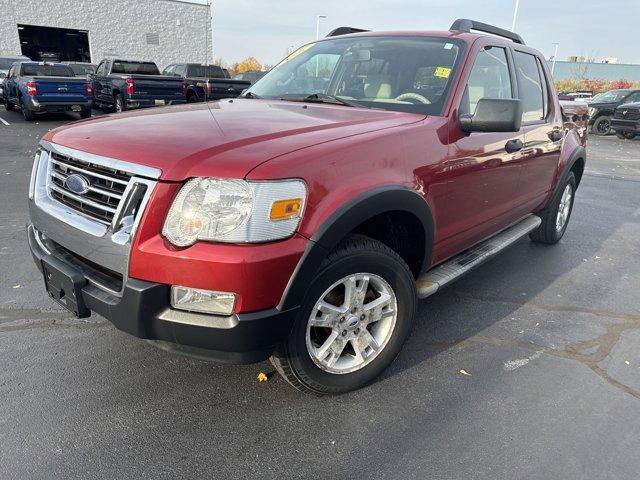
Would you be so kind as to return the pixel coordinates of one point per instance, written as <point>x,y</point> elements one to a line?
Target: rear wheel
<point>354,320</point>
<point>555,217</point>
<point>118,102</point>
<point>626,135</point>
<point>28,115</point>
<point>602,126</point>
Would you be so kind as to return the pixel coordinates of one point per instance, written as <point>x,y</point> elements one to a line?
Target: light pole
<point>555,55</point>
<point>318,18</point>
<point>515,16</point>
<point>317,38</point>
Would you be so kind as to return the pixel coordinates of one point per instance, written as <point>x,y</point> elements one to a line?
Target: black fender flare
<point>343,221</point>
<point>578,153</point>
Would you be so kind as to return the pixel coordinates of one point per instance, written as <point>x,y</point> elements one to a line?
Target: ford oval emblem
<point>77,183</point>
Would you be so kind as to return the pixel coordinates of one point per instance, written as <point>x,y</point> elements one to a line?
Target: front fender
<point>344,220</point>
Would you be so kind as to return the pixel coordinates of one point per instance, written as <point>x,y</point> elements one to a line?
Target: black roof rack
<point>345,31</point>
<point>466,25</point>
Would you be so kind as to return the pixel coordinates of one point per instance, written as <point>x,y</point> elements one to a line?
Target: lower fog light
<point>206,301</point>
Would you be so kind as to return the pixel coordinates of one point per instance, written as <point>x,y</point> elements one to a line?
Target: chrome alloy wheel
<point>351,323</point>
<point>564,208</point>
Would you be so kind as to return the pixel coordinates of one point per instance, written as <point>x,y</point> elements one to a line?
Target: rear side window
<point>135,68</point>
<point>489,78</point>
<point>34,70</point>
<point>530,87</point>
<point>206,71</point>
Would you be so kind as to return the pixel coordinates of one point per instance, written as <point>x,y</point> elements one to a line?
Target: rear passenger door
<point>542,126</point>
<point>98,80</point>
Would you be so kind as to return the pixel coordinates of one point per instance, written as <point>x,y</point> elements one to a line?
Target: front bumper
<point>619,125</point>
<point>142,309</point>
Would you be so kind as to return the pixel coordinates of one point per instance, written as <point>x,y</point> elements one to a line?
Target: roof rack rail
<point>466,25</point>
<point>345,31</point>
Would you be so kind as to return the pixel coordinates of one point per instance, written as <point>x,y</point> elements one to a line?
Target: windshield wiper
<point>251,95</point>
<point>322,98</point>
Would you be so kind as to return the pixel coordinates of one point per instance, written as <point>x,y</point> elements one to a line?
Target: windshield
<point>610,96</point>
<point>35,70</point>
<point>206,71</point>
<point>82,68</point>
<point>410,74</point>
<point>135,68</point>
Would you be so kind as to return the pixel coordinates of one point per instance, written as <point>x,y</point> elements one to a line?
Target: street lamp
<point>318,25</point>
<point>555,55</point>
<point>515,16</point>
<point>317,38</point>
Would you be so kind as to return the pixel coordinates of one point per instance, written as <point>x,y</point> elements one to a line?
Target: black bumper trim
<point>140,308</point>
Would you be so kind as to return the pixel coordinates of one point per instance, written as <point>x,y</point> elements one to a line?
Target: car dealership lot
<point>547,339</point>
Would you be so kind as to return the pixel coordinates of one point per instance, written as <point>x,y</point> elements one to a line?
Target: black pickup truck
<point>123,84</point>
<point>602,106</point>
<point>205,82</point>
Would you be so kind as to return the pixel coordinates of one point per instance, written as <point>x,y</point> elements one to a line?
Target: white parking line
<point>2,120</point>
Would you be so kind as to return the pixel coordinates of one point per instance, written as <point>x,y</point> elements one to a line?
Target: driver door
<point>474,196</point>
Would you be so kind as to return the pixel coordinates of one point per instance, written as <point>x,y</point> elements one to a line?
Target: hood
<point>225,139</point>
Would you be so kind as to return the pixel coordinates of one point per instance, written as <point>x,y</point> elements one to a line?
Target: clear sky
<point>267,28</point>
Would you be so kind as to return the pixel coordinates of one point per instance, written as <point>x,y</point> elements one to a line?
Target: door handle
<point>514,145</point>
<point>556,135</point>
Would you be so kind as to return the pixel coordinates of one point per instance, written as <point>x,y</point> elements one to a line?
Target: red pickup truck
<point>304,220</point>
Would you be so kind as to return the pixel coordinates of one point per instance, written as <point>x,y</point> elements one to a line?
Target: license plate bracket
<point>160,103</point>
<point>64,284</point>
<point>76,108</point>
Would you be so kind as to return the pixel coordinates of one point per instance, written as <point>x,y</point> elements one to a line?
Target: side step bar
<point>433,280</point>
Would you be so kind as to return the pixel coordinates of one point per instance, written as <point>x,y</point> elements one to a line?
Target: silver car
<point>5,65</point>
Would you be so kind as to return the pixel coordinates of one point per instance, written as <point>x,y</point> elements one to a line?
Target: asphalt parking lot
<point>548,339</point>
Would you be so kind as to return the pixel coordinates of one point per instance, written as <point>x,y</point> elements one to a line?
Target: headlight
<point>234,211</point>
<point>592,111</point>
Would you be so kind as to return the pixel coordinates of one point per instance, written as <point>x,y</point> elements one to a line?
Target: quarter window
<point>530,87</point>
<point>489,78</point>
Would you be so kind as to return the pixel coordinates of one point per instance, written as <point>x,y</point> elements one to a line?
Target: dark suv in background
<point>626,120</point>
<point>602,107</point>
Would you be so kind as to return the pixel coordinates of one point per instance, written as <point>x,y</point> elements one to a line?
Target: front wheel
<point>556,217</point>
<point>356,315</point>
<point>8,105</point>
<point>602,126</point>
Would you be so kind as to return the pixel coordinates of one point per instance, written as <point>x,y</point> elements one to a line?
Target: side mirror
<point>493,115</point>
<point>3,75</point>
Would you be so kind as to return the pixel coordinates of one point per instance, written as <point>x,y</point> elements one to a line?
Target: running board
<point>433,280</point>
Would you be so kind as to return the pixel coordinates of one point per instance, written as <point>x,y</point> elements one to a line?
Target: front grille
<point>106,187</point>
<point>627,113</point>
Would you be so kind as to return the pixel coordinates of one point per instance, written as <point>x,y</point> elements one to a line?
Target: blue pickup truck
<point>40,87</point>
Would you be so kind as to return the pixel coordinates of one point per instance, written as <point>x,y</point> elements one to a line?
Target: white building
<point>164,31</point>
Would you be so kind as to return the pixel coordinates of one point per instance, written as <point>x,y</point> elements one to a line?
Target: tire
<point>28,115</point>
<point>85,113</point>
<point>192,98</point>
<point>602,126</point>
<point>8,105</point>
<point>119,104</point>
<point>550,232</point>
<point>625,135</point>
<point>356,260</point>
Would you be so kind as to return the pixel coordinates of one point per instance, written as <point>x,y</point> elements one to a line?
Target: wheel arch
<point>410,232</point>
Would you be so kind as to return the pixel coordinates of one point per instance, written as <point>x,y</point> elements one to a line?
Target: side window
<point>168,70</point>
<point>545,90</point>
<point>489,78</point>
<point>529,87</point>
<point>180,70</point>
<point>633,98</point>
<point>12,71</point>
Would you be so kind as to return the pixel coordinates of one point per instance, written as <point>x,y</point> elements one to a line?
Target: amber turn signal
<point>285,209</point>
